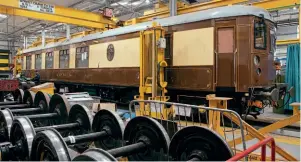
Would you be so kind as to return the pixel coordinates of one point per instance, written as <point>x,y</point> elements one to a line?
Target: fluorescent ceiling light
<point>123,3</point>
<point>136,3</point>
<point>3,16</point>
<point>119,3</point>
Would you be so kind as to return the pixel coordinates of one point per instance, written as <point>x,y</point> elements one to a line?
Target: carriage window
<point>23,65</point>
<point>38,61</point>
<point>273,40</point>
<point>64,59</point>
<point>167,51</point>
<point>225,37</point>
<point>49,60</point>
<point>260,34</point>
<point>28,62</point>
<point>82,57</point>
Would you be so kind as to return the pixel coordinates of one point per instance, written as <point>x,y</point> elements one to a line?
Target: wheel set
<point>192,143</point>
<point>41,108</point>
<point>68,130</point>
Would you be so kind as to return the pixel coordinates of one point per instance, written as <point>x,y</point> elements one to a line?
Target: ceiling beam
<point>89,10</point>
<point>58,14</point>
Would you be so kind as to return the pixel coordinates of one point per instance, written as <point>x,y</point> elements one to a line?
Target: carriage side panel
<point>43,60</point>
<point>56,58</point>
<point>33,61</point>
<point>72,58</point>
<point>115,54</point>
<point>193,59</point>
<point>243,47</point>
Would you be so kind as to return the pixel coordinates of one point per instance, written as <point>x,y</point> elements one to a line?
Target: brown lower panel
<point>103,76</point>
<point>189,78</point>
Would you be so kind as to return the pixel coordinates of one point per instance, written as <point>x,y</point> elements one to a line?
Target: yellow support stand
<point>18,64</point>
<point>277,125</point>
<point>215,116</point>
<point>152,73</point>
<point>296,107</point>
<point>214,124</point>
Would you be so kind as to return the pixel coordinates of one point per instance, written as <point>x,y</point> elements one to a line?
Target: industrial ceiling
<point>14,28</point>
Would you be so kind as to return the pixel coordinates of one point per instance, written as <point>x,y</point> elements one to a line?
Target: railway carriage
<point>228,51</point>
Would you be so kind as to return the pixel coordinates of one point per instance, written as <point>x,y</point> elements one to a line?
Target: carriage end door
<point>225,53</point>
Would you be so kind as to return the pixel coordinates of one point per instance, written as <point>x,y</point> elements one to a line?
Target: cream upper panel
<point>72,57</point>
<point>43,61</point>
<point>127,54</point>
<point>56,59</point>
<point>33,61</point>
<point>193,47</point>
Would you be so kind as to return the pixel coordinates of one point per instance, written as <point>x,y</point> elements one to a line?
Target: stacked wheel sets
<point>64,129</point>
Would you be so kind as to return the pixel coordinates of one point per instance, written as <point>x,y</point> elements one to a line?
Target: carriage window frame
<point>168,49</point>
<point>80,63</point>
<point>66,54</point>
<point>22,63</point>
<point>260,28</point>
<point>273,39</point>
<point>28,62</point>
<point>38,61</point>
<point>49,63</point>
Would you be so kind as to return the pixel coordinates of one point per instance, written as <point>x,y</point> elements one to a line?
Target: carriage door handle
<point>216,66</point>
<point>234,66</point>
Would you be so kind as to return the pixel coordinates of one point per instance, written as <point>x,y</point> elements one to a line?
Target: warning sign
<point>36,6</point>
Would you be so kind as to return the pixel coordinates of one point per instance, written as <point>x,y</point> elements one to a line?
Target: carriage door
<point>225,53</point>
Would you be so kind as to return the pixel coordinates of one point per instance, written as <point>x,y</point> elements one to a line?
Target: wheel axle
<point>147,141</point>
<point>51,141</point>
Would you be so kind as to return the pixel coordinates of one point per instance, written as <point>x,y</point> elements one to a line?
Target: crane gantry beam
<point>48,12</point>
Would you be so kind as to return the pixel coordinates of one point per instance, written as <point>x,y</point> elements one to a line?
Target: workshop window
<point>38,61</point>
<point>64,59</point>
<point>28,62</point>
<point>49,60</point>
<point>82,57</point>
<point>260,35</point>
<point>4,56</point>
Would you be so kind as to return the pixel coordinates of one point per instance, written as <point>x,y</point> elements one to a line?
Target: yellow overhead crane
<point>48,12</point>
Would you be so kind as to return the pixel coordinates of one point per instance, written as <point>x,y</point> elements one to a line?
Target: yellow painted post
<point>296,106</point>
<point>214,116</point>
<point>272,127</point>
<point>152,85</point>
<point>255,133</point>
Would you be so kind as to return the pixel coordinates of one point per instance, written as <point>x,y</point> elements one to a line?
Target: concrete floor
<point>292,147</point>
<point>270,117</point>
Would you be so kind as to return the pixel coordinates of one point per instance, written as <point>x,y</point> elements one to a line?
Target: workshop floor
<point>270,117</point>
<point>286,138</point>
<point>290,144</point>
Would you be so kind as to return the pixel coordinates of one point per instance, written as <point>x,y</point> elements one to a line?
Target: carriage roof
<point>220,12</point>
